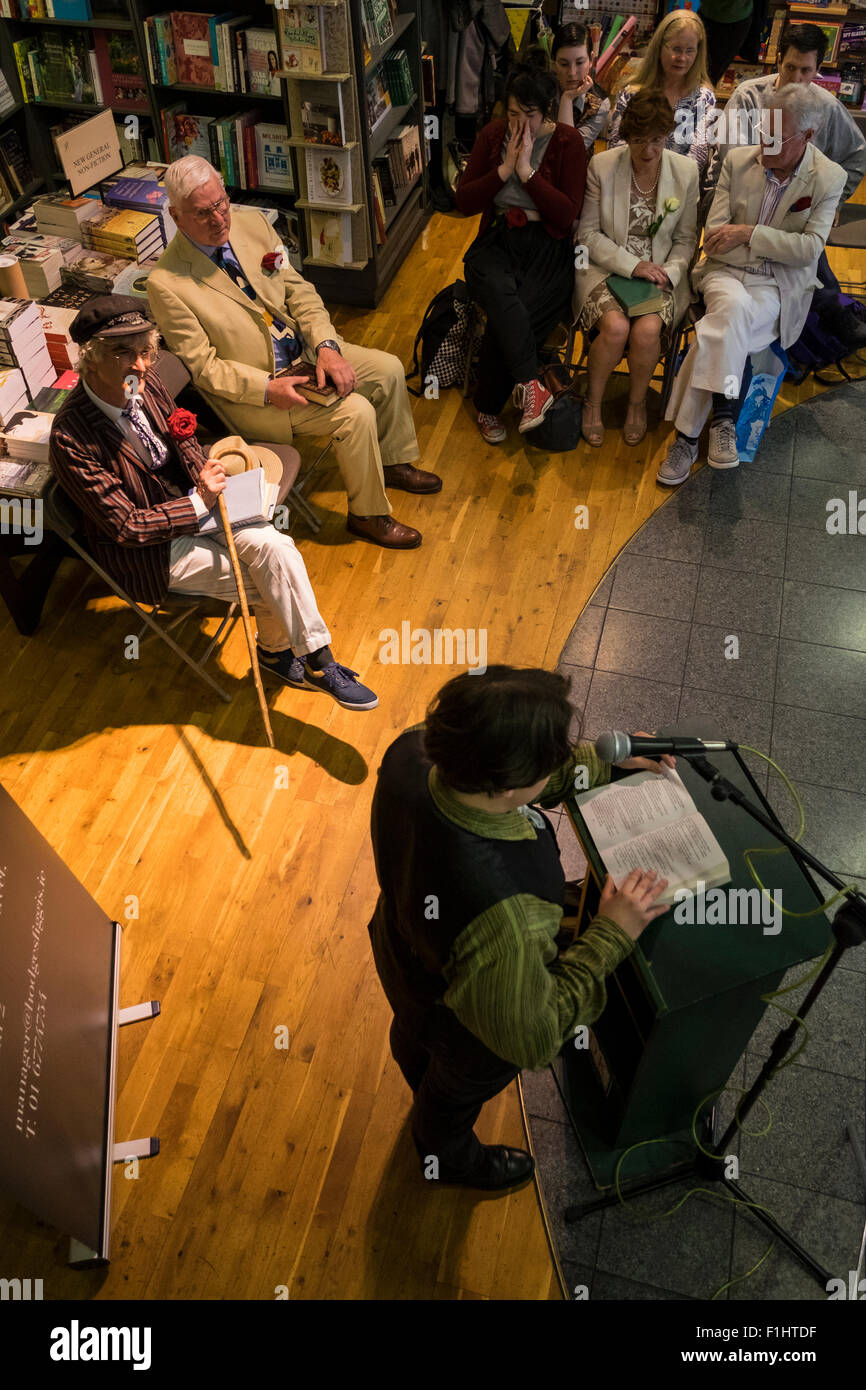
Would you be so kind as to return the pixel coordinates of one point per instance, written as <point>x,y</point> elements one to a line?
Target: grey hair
<point>185,175</point>
<point>805,110</point>
<point>95,350</point>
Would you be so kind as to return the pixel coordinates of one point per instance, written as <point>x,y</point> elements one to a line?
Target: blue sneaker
<point>340,682</point>
<point>284,665</point>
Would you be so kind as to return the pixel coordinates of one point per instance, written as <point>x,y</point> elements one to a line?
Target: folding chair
<point>62,517</point>
<point>175,378</point>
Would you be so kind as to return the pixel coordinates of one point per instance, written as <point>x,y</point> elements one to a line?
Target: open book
<point>648,821</point>
<point>249,497</point>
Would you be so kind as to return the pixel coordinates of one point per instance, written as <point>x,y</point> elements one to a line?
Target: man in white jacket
<point>768,225</point>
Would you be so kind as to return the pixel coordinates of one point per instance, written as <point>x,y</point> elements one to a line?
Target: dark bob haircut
<point>504,729</point>
<point>572,36</point>
<point>806,38</point>
<point>533,86</point>
<point>647,115</point>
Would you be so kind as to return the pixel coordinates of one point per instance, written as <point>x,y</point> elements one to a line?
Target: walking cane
<point>245,613</point>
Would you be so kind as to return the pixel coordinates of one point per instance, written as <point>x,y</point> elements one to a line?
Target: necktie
<point>287,347</point>
<point>155,448</point>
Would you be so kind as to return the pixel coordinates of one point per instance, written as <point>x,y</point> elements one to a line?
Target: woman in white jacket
<point>639,220</point>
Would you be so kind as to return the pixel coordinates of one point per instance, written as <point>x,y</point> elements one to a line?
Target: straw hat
<point>236,456</point>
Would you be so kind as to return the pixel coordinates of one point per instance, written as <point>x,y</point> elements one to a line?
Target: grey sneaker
<point>678,464</point>
<point>722,451</point>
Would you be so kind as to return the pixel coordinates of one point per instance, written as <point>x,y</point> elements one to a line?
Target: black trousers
<point>523,278</point>
<point>451,1072</point>
<point>723,44</point>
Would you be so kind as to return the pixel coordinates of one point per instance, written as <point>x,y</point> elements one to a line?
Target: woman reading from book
<point>582,103</point>
<point>675,64</point>
<point>526,176</point>
<point>639,222</point>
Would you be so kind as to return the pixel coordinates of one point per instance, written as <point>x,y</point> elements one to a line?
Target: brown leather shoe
<point>409,479</point>
<point>384,531</point>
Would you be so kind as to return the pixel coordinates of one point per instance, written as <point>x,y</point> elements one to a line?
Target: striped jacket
<point>128,517</point>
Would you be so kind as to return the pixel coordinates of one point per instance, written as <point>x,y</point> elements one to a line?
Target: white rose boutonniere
<point>670,205</point>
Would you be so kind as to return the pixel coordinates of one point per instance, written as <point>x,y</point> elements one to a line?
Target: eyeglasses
<point>215,210</point>
<point>133,354</point>
<point>681,52</point>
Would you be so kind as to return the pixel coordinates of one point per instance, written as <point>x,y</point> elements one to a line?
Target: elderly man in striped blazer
<point>143,493</point>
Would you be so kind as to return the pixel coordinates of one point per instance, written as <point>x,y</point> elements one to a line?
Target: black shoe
<point>500,1168</point>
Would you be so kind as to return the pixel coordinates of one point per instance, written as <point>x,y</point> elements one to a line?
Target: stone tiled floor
<point>743,552</point>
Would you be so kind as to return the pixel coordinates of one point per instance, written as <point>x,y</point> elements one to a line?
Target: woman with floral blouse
<point>675,63</point>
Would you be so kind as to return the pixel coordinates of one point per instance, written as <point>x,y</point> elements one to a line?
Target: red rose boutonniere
<point>516,217</point>
<point>272,262</point>
<point>181,424</point>
<point>801,205</point>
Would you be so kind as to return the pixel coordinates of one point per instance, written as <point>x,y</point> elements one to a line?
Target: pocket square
<point>801,205</point>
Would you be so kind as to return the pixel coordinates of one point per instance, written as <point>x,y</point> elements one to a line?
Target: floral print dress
<point>641,213</point>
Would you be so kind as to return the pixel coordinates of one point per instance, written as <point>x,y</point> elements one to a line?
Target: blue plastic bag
<point>762,378</point>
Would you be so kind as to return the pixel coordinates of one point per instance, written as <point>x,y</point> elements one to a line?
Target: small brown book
<point>316,395</point>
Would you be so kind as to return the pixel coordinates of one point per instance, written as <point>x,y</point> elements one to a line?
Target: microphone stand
<point>849,929</point>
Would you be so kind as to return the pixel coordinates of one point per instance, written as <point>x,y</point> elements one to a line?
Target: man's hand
<point>211,482</point>
<point>726,238</point>
<point>331,364</point>
<point>648,270</point>
<point>647,764</point>
<point>282,393</point>
<point>633,906</point>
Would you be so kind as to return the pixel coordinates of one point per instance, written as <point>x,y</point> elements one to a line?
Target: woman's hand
<point>634,905</point>
<point>648,270</point>
<point>512,152</point>
<point>524,166</point>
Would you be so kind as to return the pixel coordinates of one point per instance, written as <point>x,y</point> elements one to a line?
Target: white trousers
<point>278,588</point>
<point>742,317</point>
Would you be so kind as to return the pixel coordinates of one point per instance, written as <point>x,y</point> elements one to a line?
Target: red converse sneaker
<point>492,429</point>
<point>535,400</point>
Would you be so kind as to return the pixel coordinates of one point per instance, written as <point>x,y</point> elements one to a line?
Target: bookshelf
<point>374,236</point>
<point>37,121</point>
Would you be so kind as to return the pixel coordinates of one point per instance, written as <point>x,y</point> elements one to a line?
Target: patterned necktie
<point>140,423</point>
<point>287,348</point>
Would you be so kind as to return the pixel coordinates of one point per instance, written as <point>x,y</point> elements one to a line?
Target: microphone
<point>615,746</point>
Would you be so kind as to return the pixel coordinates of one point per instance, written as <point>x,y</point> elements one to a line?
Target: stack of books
<point>227,52</point>
<point>403,153</point>
<point>13,393</point>
<point>40,258</point>
<point>22,343</point>
<point>59,216</point>
<point>141,195</point>
<point>93,272</point>
<point>56,322</point>
<point>119,70</point>
<point>27,436</point>
<point>131,236</point>
<point>58,65</point>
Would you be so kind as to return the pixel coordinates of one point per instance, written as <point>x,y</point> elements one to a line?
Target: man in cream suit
<point>240,325</point>
<point>767,227</point>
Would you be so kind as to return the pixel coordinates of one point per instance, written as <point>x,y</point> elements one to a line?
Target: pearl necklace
<point>646,191</point>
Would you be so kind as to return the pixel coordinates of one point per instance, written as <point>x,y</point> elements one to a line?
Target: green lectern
<point>682,1007</point>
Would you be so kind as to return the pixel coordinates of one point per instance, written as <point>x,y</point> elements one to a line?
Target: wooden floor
<point>294,1167</point>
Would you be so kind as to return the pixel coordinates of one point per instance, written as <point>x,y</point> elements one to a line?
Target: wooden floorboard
<point>244,901</point>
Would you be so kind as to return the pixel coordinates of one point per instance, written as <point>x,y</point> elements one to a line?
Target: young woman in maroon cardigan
<point>526,175</point>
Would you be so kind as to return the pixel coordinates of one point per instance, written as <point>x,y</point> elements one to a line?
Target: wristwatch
<point>328,342</point>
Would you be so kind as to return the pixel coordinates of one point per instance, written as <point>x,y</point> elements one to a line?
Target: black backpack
<point>559,431</point>
<point>444,339</point>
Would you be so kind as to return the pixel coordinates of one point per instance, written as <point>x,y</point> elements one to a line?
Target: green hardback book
<point>635,296</point>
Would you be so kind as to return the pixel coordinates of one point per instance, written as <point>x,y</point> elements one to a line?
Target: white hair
<point>185,175</point>
<point>804,108</point>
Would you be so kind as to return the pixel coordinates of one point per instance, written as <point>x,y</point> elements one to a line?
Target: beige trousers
<point>370,427</point>
<point>278,589</point>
